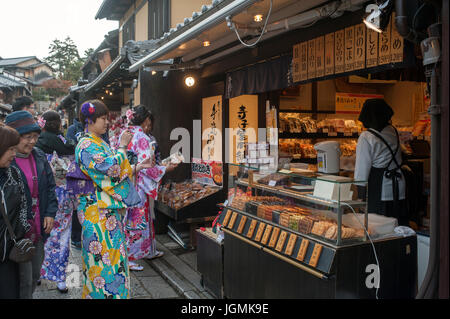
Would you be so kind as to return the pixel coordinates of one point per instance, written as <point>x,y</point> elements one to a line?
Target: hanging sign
<point>397,43</point>
<point>303,56</point>
<point>320,56</point>
<point>244,125</point>
<point>329,54</point>
<point>339,51</point>
<point>353,48</point>
<point>384,46</point>
<point>360,46</point>
<point>207,172</point>
<point>349,34</point>
<point>212,128</point>
<point>351,103</point>
<point>311,59</point>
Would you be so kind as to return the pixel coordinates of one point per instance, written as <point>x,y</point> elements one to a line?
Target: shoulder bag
<point>23,249</point>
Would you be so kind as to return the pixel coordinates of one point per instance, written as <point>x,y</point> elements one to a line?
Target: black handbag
<point>23,249</point>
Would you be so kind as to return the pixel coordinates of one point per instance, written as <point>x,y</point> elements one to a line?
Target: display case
<point>313,227</point>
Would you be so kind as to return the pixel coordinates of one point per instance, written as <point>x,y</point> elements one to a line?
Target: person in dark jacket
<point>40,187</point>
<point>51,138</point>
<point>14,202</point>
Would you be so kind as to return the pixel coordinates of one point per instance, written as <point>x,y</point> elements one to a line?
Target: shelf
<point>311,237</point>
<point>307,197</point>
<point>307,111</point>
<point>317,135</point>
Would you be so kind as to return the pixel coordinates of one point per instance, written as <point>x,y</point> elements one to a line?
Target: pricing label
<point>273,239</point>
<point>325,130</point>
<point>242,224</point>
<point>348,133</point>
<point>260,231</point>
<point>266,235</point>
<point>291,244</point>
<point>272,183</point>
<point>233,219</point>
<point>332,133</point>
<point>302,251</point>
<point>227,218</point>
<point>315,255</point>
<point>281,241</point>
<point>251,229</point>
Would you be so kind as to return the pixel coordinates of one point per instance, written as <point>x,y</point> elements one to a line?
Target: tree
<point>65,59</point>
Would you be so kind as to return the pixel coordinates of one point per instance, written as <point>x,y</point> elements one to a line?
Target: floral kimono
<point>104,251</point>
<point>139,227</point>
<point>57,245</point>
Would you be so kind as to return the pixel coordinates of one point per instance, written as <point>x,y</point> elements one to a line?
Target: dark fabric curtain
<point>262,77</point>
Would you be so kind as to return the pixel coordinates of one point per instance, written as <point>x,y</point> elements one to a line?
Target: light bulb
<point>189,81</point>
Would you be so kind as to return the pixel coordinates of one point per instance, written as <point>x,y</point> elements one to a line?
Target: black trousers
<point>76,228</point>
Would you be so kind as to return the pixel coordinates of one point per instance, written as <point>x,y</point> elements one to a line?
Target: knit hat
<point>23,122</point>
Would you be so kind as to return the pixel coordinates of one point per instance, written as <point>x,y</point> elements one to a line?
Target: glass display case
<point>325,208</point>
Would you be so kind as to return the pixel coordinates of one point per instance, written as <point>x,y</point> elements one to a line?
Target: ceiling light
<point>153,72</point>
<point>189,81</point>
<point>111,93</point>
<point>378,15</point>
<point>206,43</point>
<point>258,17</point>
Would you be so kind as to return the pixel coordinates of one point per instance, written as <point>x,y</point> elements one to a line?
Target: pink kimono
<point>139,229</point>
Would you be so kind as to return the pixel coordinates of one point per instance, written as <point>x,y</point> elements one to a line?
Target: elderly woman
<point>105,260</point>
<point>15,205</point>
<point>32,162</point>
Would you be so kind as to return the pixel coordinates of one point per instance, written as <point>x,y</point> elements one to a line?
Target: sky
<point>28,27</point>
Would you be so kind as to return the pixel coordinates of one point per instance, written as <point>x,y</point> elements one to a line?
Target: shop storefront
<point>291,226</point>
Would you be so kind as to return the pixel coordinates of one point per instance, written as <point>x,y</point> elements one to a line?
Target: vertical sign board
<point>320,56</point>
<point>339,64</point>
<point>371,48</point>
<point>311,59</point>
<point>384,47</point>
<point>397,43</point>
<point>212,128</point>
<point>303,56</point>
<point>360,46</point>
<point>349,35</point>
<point>243,125</point>
<point>296,63</point>
<point>329,54</point>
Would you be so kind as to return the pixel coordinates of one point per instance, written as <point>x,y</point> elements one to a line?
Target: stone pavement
<point>173,276</point>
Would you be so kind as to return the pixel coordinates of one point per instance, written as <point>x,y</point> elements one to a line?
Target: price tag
<point>272,183</point>
<point>348,134</point>
<point>332,133</point>
<point>260,231</point>
<point>315,255</point>
<point>242,224</point>
<point>281,241</point>
<point>233,219</point>
<point>325,130</point>
<point>291,244</point>
<point>227,218</point>
<point>266,235</point>
<point>251,229</point>
<point>302,251</point>
<point>273,239</point>
<point>314,130</point>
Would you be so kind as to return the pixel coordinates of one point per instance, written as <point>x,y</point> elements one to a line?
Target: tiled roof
<point>7,82</point>
<point>15,61</point>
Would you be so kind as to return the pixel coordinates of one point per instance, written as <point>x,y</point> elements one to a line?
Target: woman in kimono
<point>104,251</point>
<point>139,229</point>
<point>60,155</point>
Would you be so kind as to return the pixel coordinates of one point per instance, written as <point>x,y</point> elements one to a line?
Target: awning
<point>185,44</point>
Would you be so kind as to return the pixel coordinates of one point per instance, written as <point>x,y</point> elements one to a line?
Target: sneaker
<point>62,288</point>
<point>156,255</point>
<point>135,267</point>
<point>76,245</point>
